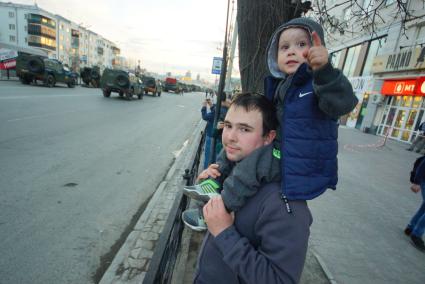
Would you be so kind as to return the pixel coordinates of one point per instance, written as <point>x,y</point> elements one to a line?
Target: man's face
<point>294,44</point>
<point>243,133</point>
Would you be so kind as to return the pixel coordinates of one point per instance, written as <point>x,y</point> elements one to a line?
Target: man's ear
<point>269,137</point>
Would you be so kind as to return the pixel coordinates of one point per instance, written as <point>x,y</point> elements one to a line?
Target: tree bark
<point>257,19</point>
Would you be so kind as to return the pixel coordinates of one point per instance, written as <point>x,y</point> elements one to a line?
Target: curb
<point>164,194</point>
<point>324,267</point>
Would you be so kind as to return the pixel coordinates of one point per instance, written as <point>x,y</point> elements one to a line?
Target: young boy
<point>310,95</point>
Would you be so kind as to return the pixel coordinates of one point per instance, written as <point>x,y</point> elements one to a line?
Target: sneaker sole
<point>194,194</point>
<point>195,228</point>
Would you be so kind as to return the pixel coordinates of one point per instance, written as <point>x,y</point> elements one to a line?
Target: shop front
<point>404,108</point>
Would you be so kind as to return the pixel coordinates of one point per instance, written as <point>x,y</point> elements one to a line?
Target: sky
<point>165,35</point>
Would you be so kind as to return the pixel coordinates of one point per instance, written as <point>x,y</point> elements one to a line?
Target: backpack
<point>415,166</point>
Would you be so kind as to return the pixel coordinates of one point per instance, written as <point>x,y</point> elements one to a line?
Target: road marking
<point>178,152</point>
<point>40,116</point>
<point>182,106</point>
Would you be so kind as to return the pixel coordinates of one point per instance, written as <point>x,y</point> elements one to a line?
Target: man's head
<point>250,123</point>
<point>289,45</point>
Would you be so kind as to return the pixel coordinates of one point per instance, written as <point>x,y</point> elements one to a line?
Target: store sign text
<point>399,60</point>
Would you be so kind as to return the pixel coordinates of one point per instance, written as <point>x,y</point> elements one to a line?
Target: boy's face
<point>243,133</point>
<point>293,47</point>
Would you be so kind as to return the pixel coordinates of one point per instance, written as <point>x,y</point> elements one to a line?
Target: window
<point>12,38</point>
<point>335,58</point>
<point>347,14</point>
<point>374,47</point>
<point>351,60</point>
<point>26,40</point>
<point>11,14</point>
<point>26,28</point>
<point>12,27</point>
<point>421,35</point>
<point>389,2</point>
<point>368,5</point>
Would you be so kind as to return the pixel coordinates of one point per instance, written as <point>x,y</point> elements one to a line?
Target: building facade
<point>385,63</point>
<point>28,26</point>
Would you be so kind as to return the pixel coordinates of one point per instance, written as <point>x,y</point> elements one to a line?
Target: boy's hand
<point>317,55</point>
<point>211,171</point>
<point>216,216</point>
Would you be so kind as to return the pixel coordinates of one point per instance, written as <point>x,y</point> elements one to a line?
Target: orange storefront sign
<point>404,87</point>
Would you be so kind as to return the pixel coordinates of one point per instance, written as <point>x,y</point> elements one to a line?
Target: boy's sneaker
<point>203,191</point>
<point>418,243</point>
<point>193,219</point>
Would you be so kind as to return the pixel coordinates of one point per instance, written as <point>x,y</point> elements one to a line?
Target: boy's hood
<point>305,23</point>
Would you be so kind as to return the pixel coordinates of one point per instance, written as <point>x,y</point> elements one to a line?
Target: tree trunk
<point>257,19</point>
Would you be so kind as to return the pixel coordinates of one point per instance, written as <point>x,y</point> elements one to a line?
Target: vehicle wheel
<point>71,83</point>
<point>121,94</point>
<point>50,81</point>
<point>35,64</point>
<point>106,93</point>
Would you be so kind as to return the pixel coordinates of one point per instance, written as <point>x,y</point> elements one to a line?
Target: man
<point>263,242</point>
<point>419,141</point>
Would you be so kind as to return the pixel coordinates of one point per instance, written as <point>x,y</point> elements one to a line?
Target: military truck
<point>152,86</point>
<point>31,68</point>
<point>122,82</point>
<point>172,85</point>
<point>91,76</point>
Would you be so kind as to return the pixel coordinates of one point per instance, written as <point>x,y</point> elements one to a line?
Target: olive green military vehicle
<point>31,68</point>
<point>122,82</point>
<point>152,86</point>
<point>91,76</point>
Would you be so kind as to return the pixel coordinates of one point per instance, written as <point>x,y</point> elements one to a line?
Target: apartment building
<point>385,62</point>
<point>32,29</point>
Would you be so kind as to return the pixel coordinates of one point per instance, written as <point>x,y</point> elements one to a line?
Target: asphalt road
<point>74,168</point>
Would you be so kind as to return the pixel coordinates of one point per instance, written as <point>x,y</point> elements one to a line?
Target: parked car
<point>151,85</point>
<point>122,82</point>
<point>31,68</point>
<point>91,76</point>
<point>171,84</point>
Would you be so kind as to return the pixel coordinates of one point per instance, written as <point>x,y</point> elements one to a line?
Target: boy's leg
<point>194,219</point>
<point>260,167</point>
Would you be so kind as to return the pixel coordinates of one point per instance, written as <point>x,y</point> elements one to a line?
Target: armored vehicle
<point>91,76</point>
<point>152,86</point>
<point>31,68</point>
<point>122,82</point>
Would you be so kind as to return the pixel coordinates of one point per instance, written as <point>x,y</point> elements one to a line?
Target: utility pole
<point>220,88</point>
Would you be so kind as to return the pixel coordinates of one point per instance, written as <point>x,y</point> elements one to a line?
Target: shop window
<point>400,118</point>
<point>423,103</point>
<point>335,58</point>
<point>406,101</point>
<point>390,116</point>
<point>396,101</point>
<point>405,135</point>
<point>419,120</point>
<point>416,101</point>
<point>395,132</point>
<point>411,119</point>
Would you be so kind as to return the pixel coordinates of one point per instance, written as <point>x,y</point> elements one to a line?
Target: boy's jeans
<point>417,224</point>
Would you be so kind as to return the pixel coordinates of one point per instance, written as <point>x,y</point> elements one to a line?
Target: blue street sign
<point>216,67</point>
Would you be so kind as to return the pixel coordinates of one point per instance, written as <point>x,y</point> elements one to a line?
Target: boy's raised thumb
<point>316,39</point>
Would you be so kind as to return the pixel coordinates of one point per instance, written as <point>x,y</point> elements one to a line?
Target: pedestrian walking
<point>419,141</point>
<point>415,228</point>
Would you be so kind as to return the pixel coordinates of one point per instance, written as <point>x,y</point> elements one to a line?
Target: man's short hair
<point>255,101</point>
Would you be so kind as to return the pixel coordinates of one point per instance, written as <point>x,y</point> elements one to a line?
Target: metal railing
<point>164,258</point>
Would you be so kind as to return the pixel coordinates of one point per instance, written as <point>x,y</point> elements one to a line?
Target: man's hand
<point>216,216</point>
<point>317,55</point>
<point>211,171</point>
<point>415,188</point>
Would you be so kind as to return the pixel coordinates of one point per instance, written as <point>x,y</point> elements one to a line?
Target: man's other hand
<point>216,216</point>
<point>415,188</point>
<point>212,171</point>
